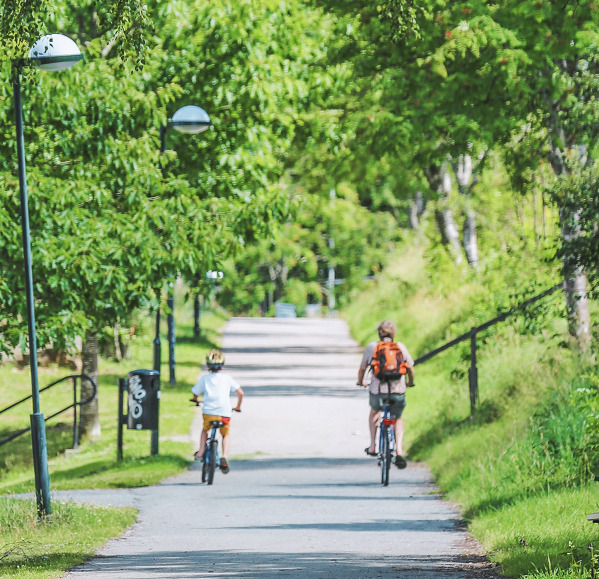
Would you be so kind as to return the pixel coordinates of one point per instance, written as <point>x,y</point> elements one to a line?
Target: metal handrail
<point>471,335</point>
<point>74,378</point>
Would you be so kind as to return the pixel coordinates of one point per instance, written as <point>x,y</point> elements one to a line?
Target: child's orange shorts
<point>208,418</point>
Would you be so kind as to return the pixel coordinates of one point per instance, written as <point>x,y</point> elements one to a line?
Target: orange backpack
<point>388,362</point>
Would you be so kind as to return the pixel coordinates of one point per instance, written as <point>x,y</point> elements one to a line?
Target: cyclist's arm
<point>239,393</point>
<point>410,376</point>
<point>361,373</point>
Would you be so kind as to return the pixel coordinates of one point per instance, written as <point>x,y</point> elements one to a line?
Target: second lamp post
<point>188,119</point>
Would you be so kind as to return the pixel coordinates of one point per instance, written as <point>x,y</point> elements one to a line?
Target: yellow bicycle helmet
<point>215,360</point>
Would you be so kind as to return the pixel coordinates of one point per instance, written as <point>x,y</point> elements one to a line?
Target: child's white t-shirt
<point>217,389</point>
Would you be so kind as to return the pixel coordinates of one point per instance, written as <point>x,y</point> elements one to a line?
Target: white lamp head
<point>190,119</point>
<point>55,52</point>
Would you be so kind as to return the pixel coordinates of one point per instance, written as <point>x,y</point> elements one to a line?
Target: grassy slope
<point>34,549</point>
<point>524,497</point>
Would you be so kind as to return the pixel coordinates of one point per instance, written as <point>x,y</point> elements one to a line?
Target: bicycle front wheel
<point>385,456</point>
<point>212,461</point>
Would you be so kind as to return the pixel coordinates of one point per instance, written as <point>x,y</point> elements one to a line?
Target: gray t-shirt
<point>398,386</point>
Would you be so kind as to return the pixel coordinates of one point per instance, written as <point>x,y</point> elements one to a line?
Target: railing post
<point>75,424</point>
<point>473,372</point>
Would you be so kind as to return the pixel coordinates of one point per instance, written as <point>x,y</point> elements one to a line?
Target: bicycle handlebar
<point>199,403</point>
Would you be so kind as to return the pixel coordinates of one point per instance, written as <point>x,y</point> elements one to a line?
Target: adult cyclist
<point>386,331</point>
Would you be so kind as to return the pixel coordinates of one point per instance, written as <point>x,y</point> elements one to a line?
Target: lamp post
<point>212,276</point>
<point>51,52</point>
<point>189,119</point>
<point>331,280</point>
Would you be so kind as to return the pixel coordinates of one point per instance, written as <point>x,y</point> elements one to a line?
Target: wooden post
<point>473,373</point>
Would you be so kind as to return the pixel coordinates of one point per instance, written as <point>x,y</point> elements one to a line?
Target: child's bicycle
<point>211,458</point>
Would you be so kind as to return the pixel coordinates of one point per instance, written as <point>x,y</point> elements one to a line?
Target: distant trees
<point>458,81</point>
<point>398,107</point>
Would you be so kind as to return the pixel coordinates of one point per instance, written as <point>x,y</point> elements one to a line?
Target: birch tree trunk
<point>463,172</point>
<point>416,211</point>
<point>577,303</point>
<point>439,181</point>
<point>90,418</point>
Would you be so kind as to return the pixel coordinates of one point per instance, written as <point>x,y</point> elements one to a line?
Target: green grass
<point>521,467</point>
<point>548,533</point>
<point>36,549</point>
<point>94,464</point>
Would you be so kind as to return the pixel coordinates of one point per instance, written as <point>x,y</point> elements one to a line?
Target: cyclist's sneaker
<point>224,465</point>
<point>197,456</point>
<point>400,461</point>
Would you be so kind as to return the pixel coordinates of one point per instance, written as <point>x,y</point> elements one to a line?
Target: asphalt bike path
<point>302,499</point>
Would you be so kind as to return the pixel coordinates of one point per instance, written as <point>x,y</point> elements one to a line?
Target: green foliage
<point>125,23</point>
<point>108,227</point>
<point>294,266</point>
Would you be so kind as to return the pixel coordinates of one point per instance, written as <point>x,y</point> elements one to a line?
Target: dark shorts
<point>398,403</point>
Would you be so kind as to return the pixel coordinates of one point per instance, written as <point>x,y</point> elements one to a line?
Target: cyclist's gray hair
<point>386,329</point>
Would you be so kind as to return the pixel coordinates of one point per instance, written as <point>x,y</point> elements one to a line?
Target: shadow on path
<point>200,564</point>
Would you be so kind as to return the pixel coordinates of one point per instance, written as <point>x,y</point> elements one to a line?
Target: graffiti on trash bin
<point>136,394</point>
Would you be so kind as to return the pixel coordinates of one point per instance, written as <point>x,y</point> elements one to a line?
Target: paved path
<point>302,500</point>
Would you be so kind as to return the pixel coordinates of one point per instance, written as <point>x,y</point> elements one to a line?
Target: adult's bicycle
<point>386,437</point>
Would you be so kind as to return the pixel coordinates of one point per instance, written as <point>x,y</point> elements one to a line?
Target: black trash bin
<point>144,395</point>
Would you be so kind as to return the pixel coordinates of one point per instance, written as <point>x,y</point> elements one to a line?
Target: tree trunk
<point>470,239</point>
<point>416,211</point>
<point>90,418</point>
<point>463,170</point>
<point>577,303</point>
<point>439,180</point>
<point>117,343</point>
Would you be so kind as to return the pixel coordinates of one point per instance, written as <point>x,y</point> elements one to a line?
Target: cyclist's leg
<point>373,421</point>
<point>203,438</point>
<point>224,463</point>
<point>398,404</point>
<point>398,430</point>
<point>226,434</point>
<point>206,418</point>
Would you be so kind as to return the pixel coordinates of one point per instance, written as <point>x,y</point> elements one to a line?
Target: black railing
<point>73,378</point>
<point>471,335</point>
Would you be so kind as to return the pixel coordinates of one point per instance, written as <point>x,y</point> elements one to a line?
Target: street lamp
<point>211,277</point>
<point>189,119</point>
<point>51,52</point>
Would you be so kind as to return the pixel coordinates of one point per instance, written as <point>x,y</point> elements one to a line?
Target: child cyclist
<point>216,388</point>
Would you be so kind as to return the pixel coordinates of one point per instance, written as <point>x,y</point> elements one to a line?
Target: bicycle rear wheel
<point>212,461</point>
<point>385,456</point>
<point>205,465</point>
